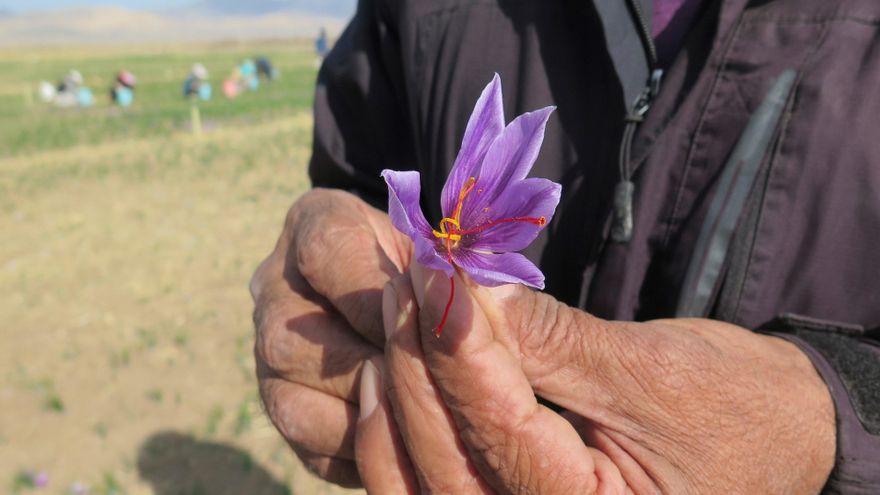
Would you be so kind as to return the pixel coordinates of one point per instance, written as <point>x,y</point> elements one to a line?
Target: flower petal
<point>404,190</point>
<point>406,215</point>
<point>492,270</point>
<point>509,159</point>
<point>485,124</point>
<point>427,255</point>
<point>534,198</point>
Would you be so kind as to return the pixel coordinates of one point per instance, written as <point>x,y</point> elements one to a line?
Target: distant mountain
<point>114,25</point>
<point>333,8</point>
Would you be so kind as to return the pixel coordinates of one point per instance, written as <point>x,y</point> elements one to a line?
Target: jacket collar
<point>625,44</point>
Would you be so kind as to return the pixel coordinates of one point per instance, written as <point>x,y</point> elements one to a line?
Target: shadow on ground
<point>178,464</point>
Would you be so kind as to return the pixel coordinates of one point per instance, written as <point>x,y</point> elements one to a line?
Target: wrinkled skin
<point>672,406</point>
<point>317,298</point>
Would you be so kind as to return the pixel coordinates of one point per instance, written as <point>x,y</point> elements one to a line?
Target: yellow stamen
<point>454,220</point>
<point>453,237</point>
<point>443,234</point>
<point>465,190</point>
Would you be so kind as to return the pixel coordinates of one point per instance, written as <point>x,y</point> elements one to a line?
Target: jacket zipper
<point>622,223</point>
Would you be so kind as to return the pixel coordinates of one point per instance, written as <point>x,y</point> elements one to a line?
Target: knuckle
<point>269,396</point>
<point>282,343</point>
<point>261,315</point>
<point>312,201</point>
<point>520,466</point>
<point>306,221</point>
<point>335,261</point>
<point>548,330</point>
<point>406,389</point>
<point>533,318</point>
<point>267,345</point>
<point>269,270</point>
<point>282,410</point>
<point>518,460</point>
<point>311,252</point>
<point>258,280</point>
<point>503,458</point>
<point>319,245</point>
<point>487,436</point>
<point>316,204</point>
<point>328,227</point>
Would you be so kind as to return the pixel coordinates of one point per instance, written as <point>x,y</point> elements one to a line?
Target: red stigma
<point>539,221</point>
<point>439,328</point>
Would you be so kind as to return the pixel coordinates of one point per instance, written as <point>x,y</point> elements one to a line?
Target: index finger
<point>347,251</point>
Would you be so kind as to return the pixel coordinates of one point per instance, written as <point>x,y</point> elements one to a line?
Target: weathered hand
<point>439,453</point>
<point>317,315</point>
<point>677,406</point>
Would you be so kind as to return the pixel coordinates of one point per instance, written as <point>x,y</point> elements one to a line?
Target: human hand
<point>672,406</point>
<point>432,450</point>
<point>317,298</point>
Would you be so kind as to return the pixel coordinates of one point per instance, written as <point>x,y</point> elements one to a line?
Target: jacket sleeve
<point>848,360</point>
<point>361,120</point>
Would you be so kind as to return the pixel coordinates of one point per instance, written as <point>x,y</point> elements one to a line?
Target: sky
<point>28,5</point>
<point>338,8</point>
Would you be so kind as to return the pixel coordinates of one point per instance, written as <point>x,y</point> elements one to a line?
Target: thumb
<point>566,354</point>
<point>518,445</point>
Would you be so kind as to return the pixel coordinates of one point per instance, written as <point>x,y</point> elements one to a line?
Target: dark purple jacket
<point>802,256</point>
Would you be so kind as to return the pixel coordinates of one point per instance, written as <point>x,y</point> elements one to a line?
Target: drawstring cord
<point>622,226</point>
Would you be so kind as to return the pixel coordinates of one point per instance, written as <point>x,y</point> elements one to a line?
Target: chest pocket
<point>808,239</point>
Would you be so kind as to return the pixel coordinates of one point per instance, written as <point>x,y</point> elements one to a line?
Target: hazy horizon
<point>332,8</point>
<point>60,22</point>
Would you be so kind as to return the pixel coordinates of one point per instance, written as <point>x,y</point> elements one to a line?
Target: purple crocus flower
<point>40,479</point>
<point>490,209</point>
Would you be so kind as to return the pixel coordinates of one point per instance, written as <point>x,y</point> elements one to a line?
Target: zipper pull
<point>621,229</point>
<point>656,80</point>
<point>622,225</point>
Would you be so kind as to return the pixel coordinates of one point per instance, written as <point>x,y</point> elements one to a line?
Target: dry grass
<point>126,361</point>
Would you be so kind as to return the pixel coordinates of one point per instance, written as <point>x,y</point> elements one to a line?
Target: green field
<point>159,109</point>
<point>127,243</point>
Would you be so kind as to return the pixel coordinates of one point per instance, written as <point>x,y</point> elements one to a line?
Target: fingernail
<point>394,316</point>
<point>504,291</point>
<point>371,387</point>
<point>389,311</point>
<point>421,277</point>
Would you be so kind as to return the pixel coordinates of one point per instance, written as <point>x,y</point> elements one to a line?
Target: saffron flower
<point>490,209</point>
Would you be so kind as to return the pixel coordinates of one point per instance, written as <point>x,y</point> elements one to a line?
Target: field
<point>127,244</point>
